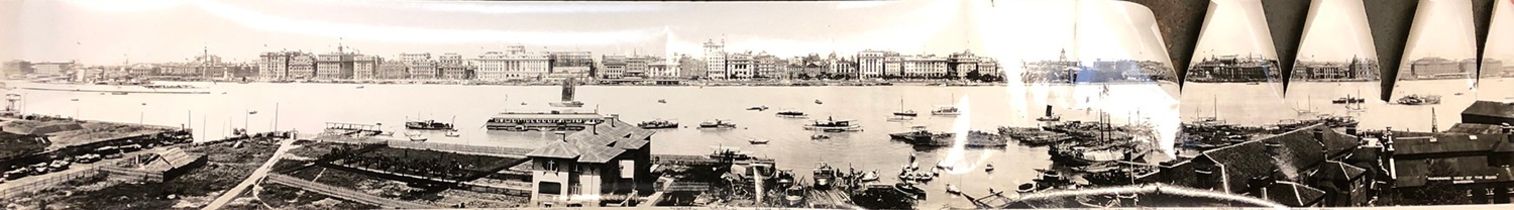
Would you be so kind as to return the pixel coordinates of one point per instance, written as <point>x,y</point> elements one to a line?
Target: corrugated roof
<point>598,144</point>
<point>1446,143</point>
<point>1490,108</point>
<point>556,149</point>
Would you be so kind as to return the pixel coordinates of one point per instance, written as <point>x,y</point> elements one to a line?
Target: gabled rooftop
<point>600,143</point>
<point>1298,151</point>
<point>1490,109</point>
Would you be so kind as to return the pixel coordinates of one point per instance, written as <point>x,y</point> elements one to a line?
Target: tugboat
<point>758,108</point>
<point>825,176</point>
<point>657,124</point>
<point>1416,99</point>
<point>791,114</point>
<point>427,125</point>
<point>832,125</point>
<point>717,124</point>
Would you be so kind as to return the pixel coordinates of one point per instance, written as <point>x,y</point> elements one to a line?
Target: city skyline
<point>242,29</point>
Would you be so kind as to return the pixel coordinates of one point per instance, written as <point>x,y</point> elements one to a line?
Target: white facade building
<point>715,59</point>
<point>515,64</point>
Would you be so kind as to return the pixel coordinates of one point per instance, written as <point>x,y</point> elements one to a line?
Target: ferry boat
<point>544,121</point>
<point>791,114</point>
<point>717,124</point>
<point>833,125</point>
<point>945,111</point>
<point>657,124</point>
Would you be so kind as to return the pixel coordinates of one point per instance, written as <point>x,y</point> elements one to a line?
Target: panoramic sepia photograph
<point>910,104</point>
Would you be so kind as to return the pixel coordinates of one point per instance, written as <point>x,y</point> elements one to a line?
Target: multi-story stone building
<point>392,69</point>
<point>513,64</point>
<point>925,66</point>
<point>420,66</point>
<point>662,69</point>
<point>715,60</point>
<point>739,65</point>
<point>365,67</point>
<point>1490,67</point>
<point>570,64</point>
<point>893,65</point>
<point>1233,68</point>
<point>870,63</point>
<point>637,66</point>
<point>612,66</point>
<point>334,66</point>
<point>453,67</point>
<point>301,66</point>
<point>960,64</point>
<point>768,66</point>
<point>1434,68</point>
<point>275,65</point>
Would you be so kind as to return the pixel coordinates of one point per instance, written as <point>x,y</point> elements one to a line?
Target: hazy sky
<point>1442,28</point>
<point>1336,30</point>
<point>1501,33</point>
<point>1234,27</point>
<point>154,31</point>
<point>1086,29</point>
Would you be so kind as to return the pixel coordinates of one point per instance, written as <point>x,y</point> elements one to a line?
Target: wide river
<point>306,107</point>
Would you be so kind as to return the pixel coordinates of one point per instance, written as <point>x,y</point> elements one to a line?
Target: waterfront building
<point>988,66</point>
<point>609,160</point>
<point>275,65</point>
<point>1356,69</point>
<point>365,67</point>
<point>52,68</point>
<point>961,64</point>
<point>1232,68</point>
<point>334,66</point>
<point>925,66</point>
<point>870,63</point>
<point>1061,70</point>
<point>807,67</point>
<point>1434,68</point>
<point>142,70</point>
<point>893,65</point>
<point>392,69</point>
<point>690,67</point>
<point>513,64</point>
<point>662,69</point>
<point>451,66</point>
<point>639,66</point>
<point>1490,67</point>
<point>612,66</point>
<point>768,66</point>
<point>570,64</point>
<point>739,65</point>
<point>715,60</point>
<point>301,66</point>
<point>420,66</point>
